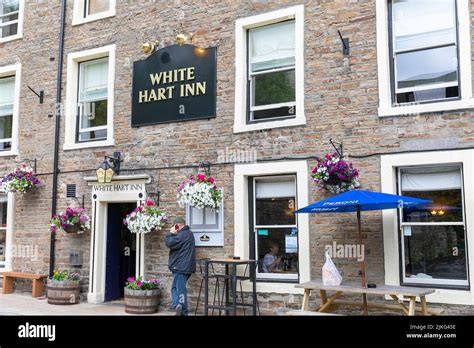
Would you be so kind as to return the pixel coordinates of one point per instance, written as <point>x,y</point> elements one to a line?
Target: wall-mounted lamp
<point>106,172</point>
<point>149,47</point>
<point>182,38</point>
<point>345,44</point>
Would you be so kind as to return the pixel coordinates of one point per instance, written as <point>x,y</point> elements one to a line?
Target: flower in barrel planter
<point>333,174</point>
<point>73,220</point>
<point>64,288</point>
<point>20,180</point>
<point>199,191</point>
<point>142,296</point>
<point>146,218</point>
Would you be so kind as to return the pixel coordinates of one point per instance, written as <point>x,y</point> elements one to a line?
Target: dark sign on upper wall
<point>176,83</point>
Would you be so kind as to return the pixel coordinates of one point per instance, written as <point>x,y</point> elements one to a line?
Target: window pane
<point>94,79</point>
<point>5,127</point>
<point>8,6</point>
<point>94,114</point>
<point>277,250</point>
<point>273,88</point>
<point>428,94</point>
<point>440,185</point>
<point>285,111</point>
<point>423,23</point>
<point>3,227</point>
<point>435,252</point>
<point>272,46</point>
<point>3,211</point>
<point>93,135</point>
<point>428,67</point>
<point>7,92</point>
<point>275,207</point>
<point>96,6</point>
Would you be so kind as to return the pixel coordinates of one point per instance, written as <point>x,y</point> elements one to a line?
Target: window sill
<point>297,121</point>
<point>93,18</point>
<point>11,38</point>
<point>413,110</point>
<point>9,153</point>
<point>88,145</point>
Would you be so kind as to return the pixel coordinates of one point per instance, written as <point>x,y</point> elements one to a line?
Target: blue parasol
<point>357,201</point>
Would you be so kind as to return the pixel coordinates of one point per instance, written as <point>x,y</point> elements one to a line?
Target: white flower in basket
<point>145,218</point>
<point>199,191</point>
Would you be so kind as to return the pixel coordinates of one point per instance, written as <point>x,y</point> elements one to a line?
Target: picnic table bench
<point>9,277</point>
<point>397,294</point>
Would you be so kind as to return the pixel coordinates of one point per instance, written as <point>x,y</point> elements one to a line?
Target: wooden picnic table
<point>397,294</point>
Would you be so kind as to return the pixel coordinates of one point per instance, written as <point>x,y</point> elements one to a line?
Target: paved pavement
<point>24,304</point>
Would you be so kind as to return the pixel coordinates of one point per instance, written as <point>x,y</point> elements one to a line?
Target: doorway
<point>120,251</point>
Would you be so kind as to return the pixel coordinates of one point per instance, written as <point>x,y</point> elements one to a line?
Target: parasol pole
<point>362,263</point>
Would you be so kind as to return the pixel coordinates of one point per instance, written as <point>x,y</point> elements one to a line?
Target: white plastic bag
<point>331,275</point>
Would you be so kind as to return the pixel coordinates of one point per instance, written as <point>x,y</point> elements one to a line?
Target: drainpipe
<point>59,80</point>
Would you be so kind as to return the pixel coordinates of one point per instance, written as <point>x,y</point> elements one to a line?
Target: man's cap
<point>179,220</point>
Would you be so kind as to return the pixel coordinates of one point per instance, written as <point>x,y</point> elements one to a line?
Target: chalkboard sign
<point>175,83</point>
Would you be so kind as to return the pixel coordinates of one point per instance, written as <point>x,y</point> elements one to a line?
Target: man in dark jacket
<point>182,263</point>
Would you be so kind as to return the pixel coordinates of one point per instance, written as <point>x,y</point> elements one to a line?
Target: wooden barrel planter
<point>63,292</point>
<point>142,301</point>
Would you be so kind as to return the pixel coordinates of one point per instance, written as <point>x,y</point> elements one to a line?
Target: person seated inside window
<point>271,262</point>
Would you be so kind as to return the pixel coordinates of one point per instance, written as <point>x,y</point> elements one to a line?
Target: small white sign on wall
<point>207,225</point>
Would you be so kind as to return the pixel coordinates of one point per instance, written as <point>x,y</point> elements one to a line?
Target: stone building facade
<point>347,98</point>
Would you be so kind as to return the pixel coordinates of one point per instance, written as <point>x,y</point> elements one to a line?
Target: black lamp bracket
<point>115,161</point>
<point>206,167</point>
<point>31,163</point>
<point>338,147</point>
<point>82,202</point>
<point>155,196</point>
<point>40,95</point>
<point>345,44</point>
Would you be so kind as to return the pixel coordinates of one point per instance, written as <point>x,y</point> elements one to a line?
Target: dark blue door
<point>112,275</point>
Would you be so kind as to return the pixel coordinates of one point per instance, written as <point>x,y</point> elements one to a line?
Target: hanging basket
<point>333,174</point>
<point>146,218</point>
<point>21,180</point>
<point>72,220</point>
<point>199,191</point>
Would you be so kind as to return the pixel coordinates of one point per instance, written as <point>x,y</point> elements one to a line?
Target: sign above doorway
<point>175,83</point>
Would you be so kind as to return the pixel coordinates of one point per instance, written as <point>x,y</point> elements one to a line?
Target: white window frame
<point>389,167</point>
<point>73,60</point>
<point>241,27</point>
<point>79,16</point>
<point>241,218</point>
<point>6,266</point>
<point>386,108</point>
<point>289,277</point>
<point>434,281</point>
<point>81,102</point>
<point>21,15</point>
<point>7,71</point>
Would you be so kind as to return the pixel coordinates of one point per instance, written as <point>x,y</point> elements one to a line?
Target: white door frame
<point>123,189</point>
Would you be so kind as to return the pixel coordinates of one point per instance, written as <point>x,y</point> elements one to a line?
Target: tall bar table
<point>230,279</point>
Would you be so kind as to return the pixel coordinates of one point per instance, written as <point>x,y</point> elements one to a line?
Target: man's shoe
<point>178,310</point>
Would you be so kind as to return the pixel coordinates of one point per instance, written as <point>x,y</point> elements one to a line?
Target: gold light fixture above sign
<point>149,47</point>
<point>182,38</point>
<point>106,172</point>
